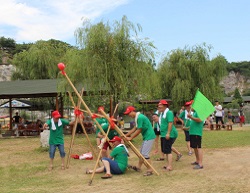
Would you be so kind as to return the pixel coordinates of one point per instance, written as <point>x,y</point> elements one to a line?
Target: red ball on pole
<point>61,66</point>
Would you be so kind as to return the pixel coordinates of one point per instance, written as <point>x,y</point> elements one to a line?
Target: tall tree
<point>183,71</point>
<point>39,61</point>
<point>237,96</point>
<point>7,47</point>
<point>7,43</point>
<point>113,58</point>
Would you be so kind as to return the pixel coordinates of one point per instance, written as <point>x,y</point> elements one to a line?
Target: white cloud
<point>32,20</point>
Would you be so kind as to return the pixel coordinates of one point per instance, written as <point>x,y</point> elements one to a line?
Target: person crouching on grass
<point>144,127</point>
<point>56,139</point>
<point>116,163</point>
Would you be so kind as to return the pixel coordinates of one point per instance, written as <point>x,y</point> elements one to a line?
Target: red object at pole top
<point>61,67</point>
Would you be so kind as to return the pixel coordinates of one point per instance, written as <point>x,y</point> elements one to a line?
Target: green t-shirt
<point>196,128</point>
<point>186,121</point>
<point>121,157</point>
<point>112,132</point>
<point>56,136</point>
<point>164,125</point>
<point>105,125</point>
<point>144,124</point>
<point>103,122</point>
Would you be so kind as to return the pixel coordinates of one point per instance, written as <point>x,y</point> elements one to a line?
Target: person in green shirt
<point>104,143</point>
<point>143,126</point>
<point>56,138</point>
<point>156,119</point>
<point>116,163</point>
<point>185,121</point>
<point>103,122</point>
<point>168,133</point>
<point>195,132</point>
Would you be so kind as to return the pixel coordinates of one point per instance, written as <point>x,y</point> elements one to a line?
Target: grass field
<point>23,167</point>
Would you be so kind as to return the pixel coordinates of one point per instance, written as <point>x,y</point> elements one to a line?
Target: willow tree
<point>112,58</point>
<point>40,60</point>
<point>183,71</point>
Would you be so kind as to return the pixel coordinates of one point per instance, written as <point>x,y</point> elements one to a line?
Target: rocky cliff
<point>5,72</point>
<point>233,81</point>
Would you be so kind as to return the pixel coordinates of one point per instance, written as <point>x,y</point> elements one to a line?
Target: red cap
<point>56,114</point>
<point>188,103</point>
<point>116,138</point>
<point>129,110</point>
<point>101,108</point>
<point>163,102</point>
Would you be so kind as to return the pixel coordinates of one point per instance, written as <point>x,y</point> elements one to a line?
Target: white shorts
<point>146,148</point>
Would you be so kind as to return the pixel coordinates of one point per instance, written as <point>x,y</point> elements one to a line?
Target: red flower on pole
<point>94,116</point>
<point>78,113</point>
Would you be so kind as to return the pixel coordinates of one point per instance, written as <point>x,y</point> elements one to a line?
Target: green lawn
<point>23,167</point>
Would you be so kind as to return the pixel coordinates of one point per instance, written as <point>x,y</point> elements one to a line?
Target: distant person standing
<point>229,121</point>
<point>241,115</point>
<point>16,120</point>
<point>218,115</point>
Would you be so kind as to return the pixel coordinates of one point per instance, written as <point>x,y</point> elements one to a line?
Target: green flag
<point>202,105</point>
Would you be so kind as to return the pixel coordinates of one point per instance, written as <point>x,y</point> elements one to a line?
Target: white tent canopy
<point>15,104</point>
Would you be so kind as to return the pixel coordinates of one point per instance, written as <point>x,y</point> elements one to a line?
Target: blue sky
<point>170,24</point>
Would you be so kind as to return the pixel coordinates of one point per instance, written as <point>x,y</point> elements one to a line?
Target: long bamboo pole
<point>99,156</point>
<point>61,66</point>
<point>146,163</point>
<point>73,131</point>
<point>84,130</point>
<point>99,115</point>
<point>106,137</point>
<point>91,146</point>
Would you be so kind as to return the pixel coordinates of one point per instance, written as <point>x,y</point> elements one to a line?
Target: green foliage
<point>7,43</point>
<point>113,59</point>
<point>40,60</point>
<point>233,105</point>
<point>240,67</point>
<point>22,47</point>
<point>25,116</point>
<point>184,70</point>
<point>237,96</point>
<point>246,92</point>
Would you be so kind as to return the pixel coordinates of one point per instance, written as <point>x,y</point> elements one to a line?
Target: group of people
<point>219,115</point>
<point>163,129</point>
<point>18,121</point>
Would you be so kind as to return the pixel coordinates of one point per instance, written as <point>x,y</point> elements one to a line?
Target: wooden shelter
<point>30,89</point>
